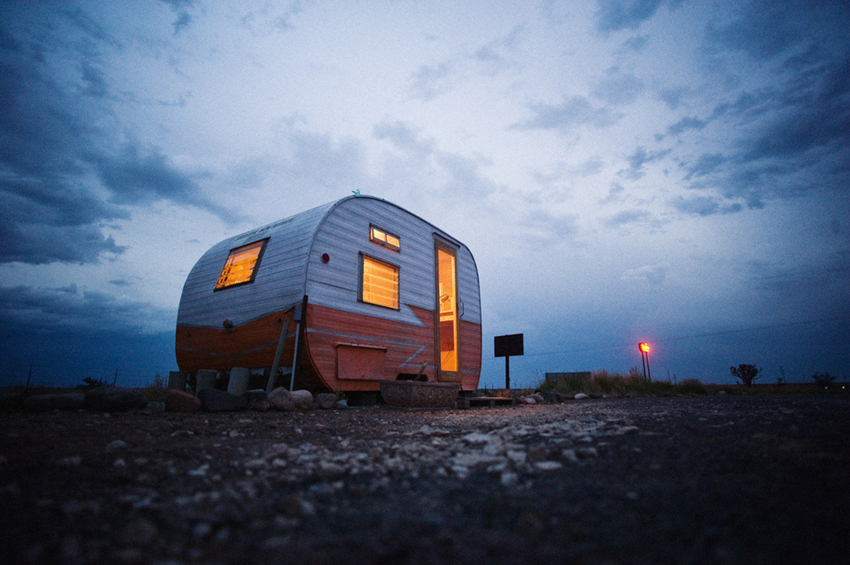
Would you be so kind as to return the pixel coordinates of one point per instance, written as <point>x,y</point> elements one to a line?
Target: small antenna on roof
<point>356,192</point>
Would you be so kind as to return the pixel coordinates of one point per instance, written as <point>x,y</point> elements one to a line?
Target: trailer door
<point>448,368</point>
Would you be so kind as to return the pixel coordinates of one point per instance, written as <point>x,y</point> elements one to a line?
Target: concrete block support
<point>204,379</point>
<point>177,380</point>
<point>239,379</point>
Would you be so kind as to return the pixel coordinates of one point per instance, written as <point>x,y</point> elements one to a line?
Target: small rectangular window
<point>380,283</point>
<point>241,265</point>
<point>384,238</point>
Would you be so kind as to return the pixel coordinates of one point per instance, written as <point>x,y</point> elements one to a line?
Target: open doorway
<point>447,314</point>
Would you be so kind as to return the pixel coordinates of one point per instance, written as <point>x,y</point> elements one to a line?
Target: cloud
<point>672,97</point>
<point>763,29</point>
<point>632,216</point>
<point>615,190</point>
<point>184,18</point>
<point>423,171</point>
<point>781,138</point>
<point>429,82</point>
<point>652,274</point>
<point>403,137</point>
<point>571,113</point>
<point>59,170</point>
<point>48,310</point>
<point>140,175</point>
<point>814,114</point>
<point>39,244</point>
<point>495,53</point>
<point>317,160</point>
<point>615,15</point>
<point>63,334</point>
<point>618,89</point>
<point>685,124</point>
<point>638,159</point>
<point>706,164</point>
<point>703,205</point>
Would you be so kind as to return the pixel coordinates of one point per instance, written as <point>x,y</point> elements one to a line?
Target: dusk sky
<point>674,172</point>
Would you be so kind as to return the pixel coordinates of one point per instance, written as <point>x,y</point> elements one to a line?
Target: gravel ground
<point>719,479</point>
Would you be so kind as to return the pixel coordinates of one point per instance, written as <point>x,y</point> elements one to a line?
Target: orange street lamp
<point>643,347</point>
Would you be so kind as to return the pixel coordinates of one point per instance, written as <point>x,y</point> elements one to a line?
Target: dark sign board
<point>508,345</point>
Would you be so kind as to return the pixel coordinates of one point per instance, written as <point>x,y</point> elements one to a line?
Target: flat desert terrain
<point>705,479</point>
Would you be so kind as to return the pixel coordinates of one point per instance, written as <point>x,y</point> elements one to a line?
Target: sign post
<point>506,346</point>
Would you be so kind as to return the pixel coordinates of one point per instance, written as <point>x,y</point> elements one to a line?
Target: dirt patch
<point>719,479</point>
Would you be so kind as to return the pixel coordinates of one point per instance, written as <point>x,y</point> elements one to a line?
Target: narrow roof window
<point>241,265</point>
<point>384,238</point>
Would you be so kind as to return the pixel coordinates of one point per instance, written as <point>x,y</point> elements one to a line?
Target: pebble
<point>140,532</point>
<point>70,462</point>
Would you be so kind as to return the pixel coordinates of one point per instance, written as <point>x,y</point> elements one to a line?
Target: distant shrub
<point>90,383</point>
<point>606,382</point>
<point>823,379</point>
<point>570,386</point>
<point>745,373</point>
<point>603,382</point>
<point>691,386</point>
<point>155,391</point>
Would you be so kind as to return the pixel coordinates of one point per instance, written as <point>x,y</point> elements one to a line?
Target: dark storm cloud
<point>764,29</point>
<point>61,176</point>
<point>786,139</point>
<point>795,138</point>
<point>36,310</point>
<point>138,175</point>
<point>39,244</point>
<point>58,336</point>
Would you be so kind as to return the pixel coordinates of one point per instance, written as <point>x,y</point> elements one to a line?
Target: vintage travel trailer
<point>385,294</point>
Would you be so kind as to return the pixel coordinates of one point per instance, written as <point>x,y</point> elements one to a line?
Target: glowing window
<point>380,283</point>
<point>241,265</point>
<point>386,239</point>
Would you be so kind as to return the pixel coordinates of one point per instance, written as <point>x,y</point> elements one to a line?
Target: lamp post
<point>643,347</point>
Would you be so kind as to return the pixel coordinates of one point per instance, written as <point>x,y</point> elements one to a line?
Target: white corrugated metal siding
<point>292,266</point>
<point>278,284</point>
<point>344,235</point>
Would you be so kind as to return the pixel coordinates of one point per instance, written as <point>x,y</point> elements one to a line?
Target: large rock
<point>326,401</point>
<point>47,402</point>
<point>257,400</point>
<point>11,400</point>
<point>115,399</point>
<point>281,399</point>
<point>303,399</point>
<point>179,401</point>
<point>214,400</point>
